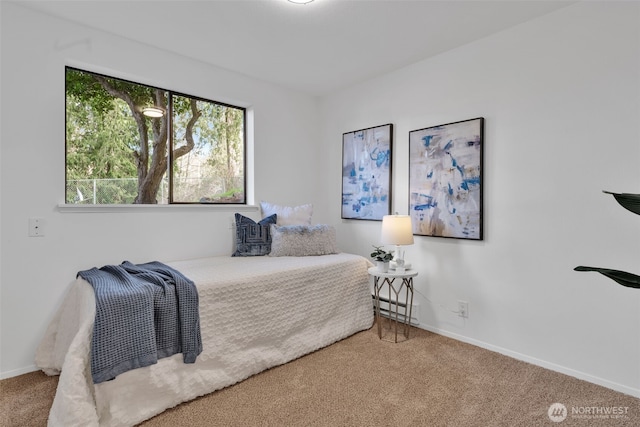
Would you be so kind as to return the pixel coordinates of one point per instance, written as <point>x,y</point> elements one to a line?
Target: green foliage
<point>100,146</point>
<point>83,88</point>
<point>380,254</point>
<point>87,88</point>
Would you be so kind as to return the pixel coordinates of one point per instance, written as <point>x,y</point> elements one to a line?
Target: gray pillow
<point>303,240</point>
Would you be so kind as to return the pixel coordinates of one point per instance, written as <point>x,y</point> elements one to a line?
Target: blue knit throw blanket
<point>144,312</point>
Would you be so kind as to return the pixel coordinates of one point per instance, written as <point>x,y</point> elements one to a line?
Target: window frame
<point>170,148</point>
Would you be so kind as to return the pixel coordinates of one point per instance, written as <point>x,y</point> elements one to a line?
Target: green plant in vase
<point>382,257</point>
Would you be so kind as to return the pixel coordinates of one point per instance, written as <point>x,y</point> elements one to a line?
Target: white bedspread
<point>255,313</point>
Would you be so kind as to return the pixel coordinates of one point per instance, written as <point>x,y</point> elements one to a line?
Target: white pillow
<point>303,240</point>
<point>287,215</point>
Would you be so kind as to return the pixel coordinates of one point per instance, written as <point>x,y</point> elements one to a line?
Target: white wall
<point>561,99</point>
<point>35,272</point>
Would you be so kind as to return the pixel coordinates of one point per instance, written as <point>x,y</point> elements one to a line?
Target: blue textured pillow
<point>253,238</point>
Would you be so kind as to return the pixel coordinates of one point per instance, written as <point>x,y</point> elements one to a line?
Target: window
<point>118,151</point>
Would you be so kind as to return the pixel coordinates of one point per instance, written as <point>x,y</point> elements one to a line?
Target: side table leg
<point>376,291</point>
<point>409,301</point>
<point>397,306</point>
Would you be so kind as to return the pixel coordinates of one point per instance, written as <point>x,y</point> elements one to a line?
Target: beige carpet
<point>429,380</point>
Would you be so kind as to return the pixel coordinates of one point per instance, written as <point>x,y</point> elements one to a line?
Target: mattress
<point>255,313</point>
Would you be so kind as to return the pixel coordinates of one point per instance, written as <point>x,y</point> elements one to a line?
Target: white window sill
<point>73,208</point>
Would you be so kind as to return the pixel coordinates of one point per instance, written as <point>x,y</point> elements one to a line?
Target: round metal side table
<point>406,282</point>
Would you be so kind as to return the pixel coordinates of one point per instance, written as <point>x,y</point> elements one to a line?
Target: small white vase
<point>383,266</point>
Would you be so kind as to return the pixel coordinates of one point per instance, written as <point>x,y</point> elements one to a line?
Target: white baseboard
<point>16,372</point>
<point>538,362</point>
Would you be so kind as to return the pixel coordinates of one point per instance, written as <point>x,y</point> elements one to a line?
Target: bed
<point>255,313</point>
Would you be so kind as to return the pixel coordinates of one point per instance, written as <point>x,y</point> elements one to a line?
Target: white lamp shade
<point>396,230</point>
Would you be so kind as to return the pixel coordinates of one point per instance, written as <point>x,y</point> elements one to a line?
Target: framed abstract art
<point>445,180</point>
<point>366,173</point>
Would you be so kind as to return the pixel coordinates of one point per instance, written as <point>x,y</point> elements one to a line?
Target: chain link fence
<point>124,191</point>
<point>115,191</point>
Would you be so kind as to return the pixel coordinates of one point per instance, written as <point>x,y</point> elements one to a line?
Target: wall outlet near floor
<point>463,309</point>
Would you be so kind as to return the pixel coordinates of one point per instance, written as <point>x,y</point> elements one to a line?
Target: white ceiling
<point>315,48</point>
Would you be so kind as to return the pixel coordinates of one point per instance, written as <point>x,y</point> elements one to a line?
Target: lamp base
<point>394,266</point>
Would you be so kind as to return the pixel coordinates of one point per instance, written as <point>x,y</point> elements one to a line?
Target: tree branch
<point>181,151</point>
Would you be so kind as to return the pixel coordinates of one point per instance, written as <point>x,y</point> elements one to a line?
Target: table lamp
<point>397,230</point>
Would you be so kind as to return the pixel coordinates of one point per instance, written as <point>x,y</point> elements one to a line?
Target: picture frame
<point>445,180</point>
<point>366,173</point>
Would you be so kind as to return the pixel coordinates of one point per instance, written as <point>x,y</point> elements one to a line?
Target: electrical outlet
<point>463,309</point>
<point>36,227</point>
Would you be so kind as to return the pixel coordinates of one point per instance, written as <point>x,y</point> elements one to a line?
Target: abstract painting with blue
<point>445,180</point>
<point>366,173</point>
